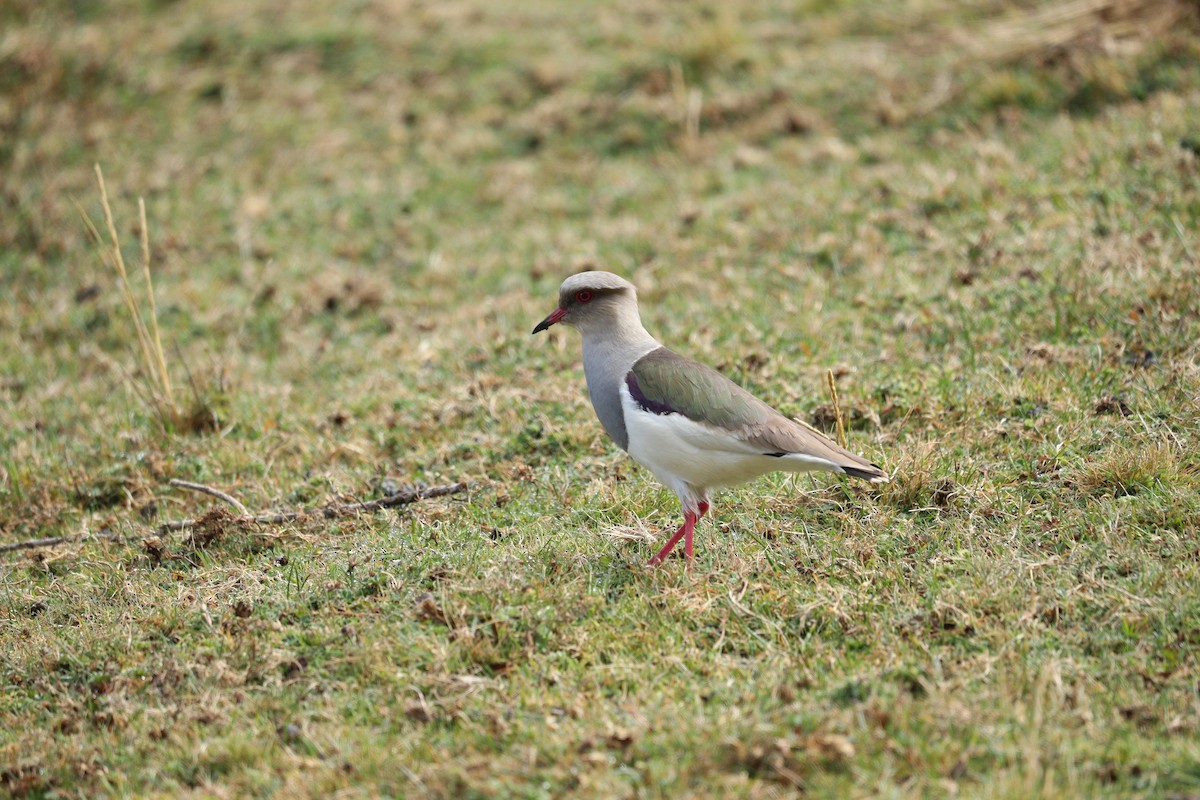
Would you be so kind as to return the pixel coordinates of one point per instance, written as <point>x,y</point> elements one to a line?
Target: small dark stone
<point>943,493</point>
<point>1112,405</point>
<point>292,669</point>
<point>85,293</point>
<point>1140,358</point>
<point>418,712</point>
<point>212,93</point>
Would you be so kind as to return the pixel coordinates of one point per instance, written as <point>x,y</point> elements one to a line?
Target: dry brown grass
<point>152,382</point>
<point>1081,28</point>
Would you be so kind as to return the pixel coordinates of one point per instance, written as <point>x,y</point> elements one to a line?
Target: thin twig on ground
<point>330,511</point>
<point>217,493</point>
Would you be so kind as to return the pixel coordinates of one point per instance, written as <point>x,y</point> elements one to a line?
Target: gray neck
<point>608,355</point>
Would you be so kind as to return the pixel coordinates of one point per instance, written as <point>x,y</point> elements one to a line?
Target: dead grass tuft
<point>152,383</point>
<point>920,483</point>
<point>1129,471</point>
<point>25,779</point>
<point>212,527</point>
<point>1073,30</point>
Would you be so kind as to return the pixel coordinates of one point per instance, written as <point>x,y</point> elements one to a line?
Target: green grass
<point>357,214</point>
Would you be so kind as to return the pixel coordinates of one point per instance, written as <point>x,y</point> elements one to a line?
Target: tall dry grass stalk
<point>155,386</point>
<point>831,384</point>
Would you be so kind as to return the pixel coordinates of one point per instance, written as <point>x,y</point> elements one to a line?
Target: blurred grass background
<point>980,215</point>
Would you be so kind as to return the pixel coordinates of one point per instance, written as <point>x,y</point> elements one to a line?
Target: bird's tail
<point>837,457</point>
<point>870,472</point>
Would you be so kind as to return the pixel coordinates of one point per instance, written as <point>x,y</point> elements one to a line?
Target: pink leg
<point>689,522</point>
<point>687,540</point>
<point>685,532</point>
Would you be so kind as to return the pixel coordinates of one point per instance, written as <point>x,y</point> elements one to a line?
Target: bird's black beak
<point>558,314</point>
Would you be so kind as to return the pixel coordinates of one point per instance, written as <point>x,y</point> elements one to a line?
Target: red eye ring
<point>583,297</point>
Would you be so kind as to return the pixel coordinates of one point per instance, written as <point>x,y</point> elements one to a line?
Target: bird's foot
<point>685,532</point>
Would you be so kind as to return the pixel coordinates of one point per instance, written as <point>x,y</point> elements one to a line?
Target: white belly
<point>691,458</point>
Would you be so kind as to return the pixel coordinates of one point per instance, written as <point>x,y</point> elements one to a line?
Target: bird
<point>693,428</point>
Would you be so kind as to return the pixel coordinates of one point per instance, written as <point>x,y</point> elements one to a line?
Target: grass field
<point>356,214</point>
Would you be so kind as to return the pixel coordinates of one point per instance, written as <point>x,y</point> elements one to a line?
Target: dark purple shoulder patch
<point>645,403</point>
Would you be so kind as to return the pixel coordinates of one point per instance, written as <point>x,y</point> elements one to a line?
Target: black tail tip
<point>874,474</point>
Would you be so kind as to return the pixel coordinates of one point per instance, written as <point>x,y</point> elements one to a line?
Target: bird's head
<point>592,301</point>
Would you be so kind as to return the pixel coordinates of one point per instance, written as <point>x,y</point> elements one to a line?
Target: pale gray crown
<point>594,280</point>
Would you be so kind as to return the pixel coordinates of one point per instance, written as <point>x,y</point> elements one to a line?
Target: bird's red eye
<point>583,296</point>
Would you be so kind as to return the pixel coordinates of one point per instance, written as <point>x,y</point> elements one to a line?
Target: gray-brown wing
<point>664,382</point>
